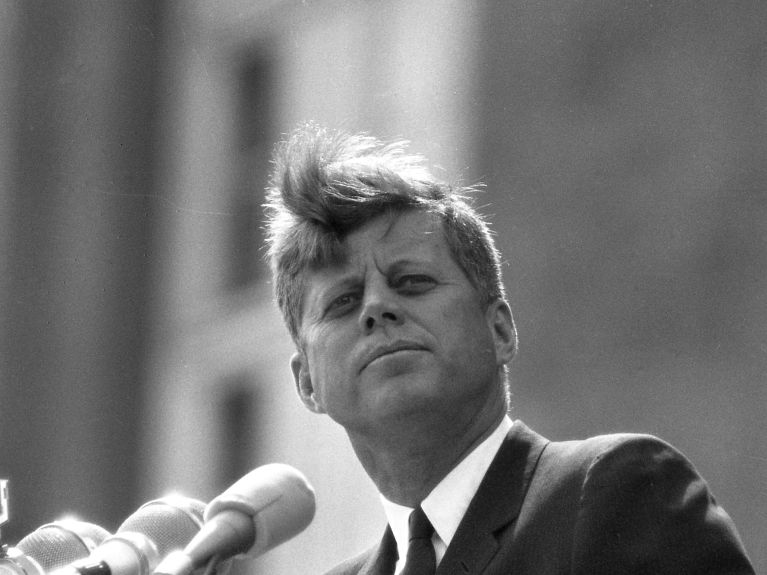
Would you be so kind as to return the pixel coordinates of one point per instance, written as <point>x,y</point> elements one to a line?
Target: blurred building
<point>623,149</point>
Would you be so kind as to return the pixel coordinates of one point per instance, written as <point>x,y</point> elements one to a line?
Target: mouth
<point>390,349</point>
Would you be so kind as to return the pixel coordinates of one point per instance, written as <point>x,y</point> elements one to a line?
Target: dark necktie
<point>420,558</point>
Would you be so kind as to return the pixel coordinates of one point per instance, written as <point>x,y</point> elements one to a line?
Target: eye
<point>342,303</point>
<point>413,284</point>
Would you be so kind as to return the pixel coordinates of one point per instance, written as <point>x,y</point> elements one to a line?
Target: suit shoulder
<point>639,455</point>
<point>637,499</point>
<point>615,449</point>
<point>613,460</point>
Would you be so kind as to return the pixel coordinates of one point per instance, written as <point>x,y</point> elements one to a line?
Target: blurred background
<point>624,151</point>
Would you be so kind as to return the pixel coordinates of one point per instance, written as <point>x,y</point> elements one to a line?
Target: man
<point>390,285</point>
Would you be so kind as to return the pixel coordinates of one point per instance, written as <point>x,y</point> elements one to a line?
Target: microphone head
<point>151,532</point>
<point>277,497</point>
<point>169,522</point>
<point>59,543</point>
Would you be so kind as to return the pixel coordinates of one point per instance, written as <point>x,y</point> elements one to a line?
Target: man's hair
<point>327,184</point>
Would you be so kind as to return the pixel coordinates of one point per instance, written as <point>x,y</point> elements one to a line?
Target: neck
<point>407,463</point>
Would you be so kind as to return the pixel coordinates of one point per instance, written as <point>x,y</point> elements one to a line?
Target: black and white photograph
<point>394,287</point>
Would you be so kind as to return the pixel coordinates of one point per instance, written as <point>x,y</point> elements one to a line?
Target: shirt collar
<point>447,503</point>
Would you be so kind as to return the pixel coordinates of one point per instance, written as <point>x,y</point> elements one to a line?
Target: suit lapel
<point>496,504</point>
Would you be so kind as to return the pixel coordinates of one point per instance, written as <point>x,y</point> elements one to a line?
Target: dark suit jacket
<point>617,504</point>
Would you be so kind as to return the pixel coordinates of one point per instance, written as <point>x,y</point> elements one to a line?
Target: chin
<point>405,397</point>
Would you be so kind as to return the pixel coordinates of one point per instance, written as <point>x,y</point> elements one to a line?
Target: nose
<point>380,307</point>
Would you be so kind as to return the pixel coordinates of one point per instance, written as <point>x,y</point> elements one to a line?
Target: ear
<point>303,381</point>
<point>501,323</point>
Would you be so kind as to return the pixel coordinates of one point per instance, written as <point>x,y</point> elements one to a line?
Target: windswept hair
<point>326,184</point>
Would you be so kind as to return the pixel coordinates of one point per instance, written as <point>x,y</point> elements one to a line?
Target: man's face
<point>398,330</point>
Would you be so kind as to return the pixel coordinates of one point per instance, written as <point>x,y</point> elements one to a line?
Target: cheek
<point>472,338</point>
<point>326,364</point>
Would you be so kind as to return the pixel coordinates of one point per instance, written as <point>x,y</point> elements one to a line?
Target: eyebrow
<point>349,278</point>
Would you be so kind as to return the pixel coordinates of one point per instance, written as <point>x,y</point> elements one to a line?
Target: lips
<point>379,351</point>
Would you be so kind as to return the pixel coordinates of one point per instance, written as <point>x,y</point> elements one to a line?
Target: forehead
<point>396,235</point>
<point>396,239</point>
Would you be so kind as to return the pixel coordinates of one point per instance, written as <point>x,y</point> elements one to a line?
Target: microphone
<point>52,546</point>
<point>264,508</point>
<point>143,539</point>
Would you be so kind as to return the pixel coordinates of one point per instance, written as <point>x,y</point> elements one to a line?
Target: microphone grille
<point>62,542</point>
<point>170,523</point>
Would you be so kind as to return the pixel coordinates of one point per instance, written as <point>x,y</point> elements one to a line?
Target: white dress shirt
<point>447,503</point>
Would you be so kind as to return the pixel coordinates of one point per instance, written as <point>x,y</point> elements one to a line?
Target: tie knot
<point>419,525</point>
